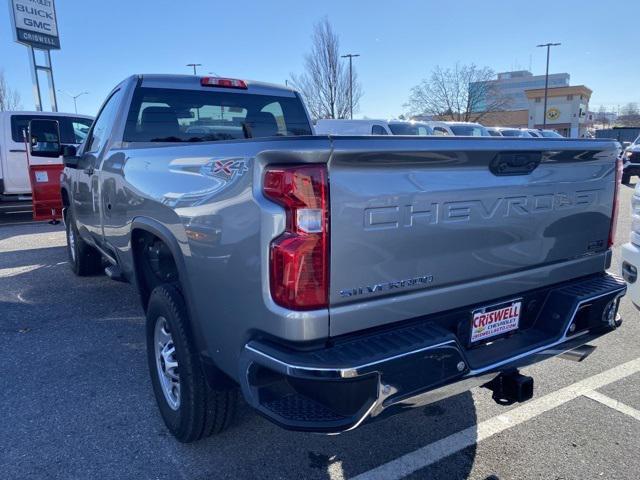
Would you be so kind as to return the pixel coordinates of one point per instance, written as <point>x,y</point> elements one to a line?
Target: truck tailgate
<point>420,226</point>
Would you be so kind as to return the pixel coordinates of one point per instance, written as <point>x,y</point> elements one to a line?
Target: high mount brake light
<point>223,82</point>
<point>299,258</point>
<point>614,210</point>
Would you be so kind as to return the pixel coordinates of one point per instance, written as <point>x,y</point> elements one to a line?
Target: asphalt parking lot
<point>76,402</point>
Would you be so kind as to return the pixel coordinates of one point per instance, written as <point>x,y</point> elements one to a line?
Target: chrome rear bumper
<point>337,388</point>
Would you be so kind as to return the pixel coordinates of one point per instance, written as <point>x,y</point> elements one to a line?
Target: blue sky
<point>399,42</point>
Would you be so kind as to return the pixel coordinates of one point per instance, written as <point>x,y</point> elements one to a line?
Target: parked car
<point>550,134</point>
<point>295,267</point>
<point>468,129</point>
<point>631,251</point>
<point>494,131</point>
<point>515,132</point>
<point>14,170</point>
<point>352,127</point>
<point>534,132</point>
<point>402,127</point>
<point>440,128</point>
<point>371,127</point>
<point>631,157</point>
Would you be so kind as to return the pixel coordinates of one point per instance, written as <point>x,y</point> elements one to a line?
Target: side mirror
<point>44,138</point>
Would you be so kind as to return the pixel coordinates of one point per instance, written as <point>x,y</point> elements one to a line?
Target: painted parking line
<point>434,452</point>
<point>614,404</point>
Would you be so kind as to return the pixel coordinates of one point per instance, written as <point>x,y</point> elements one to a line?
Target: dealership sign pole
<point>35,25</point>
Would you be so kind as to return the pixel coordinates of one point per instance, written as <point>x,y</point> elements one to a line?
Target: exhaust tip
<point>578,354</point>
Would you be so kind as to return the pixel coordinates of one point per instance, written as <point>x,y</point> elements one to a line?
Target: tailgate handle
<point>515,163</point>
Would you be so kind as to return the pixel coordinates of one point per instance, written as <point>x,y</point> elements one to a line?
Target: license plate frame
<point>493,329</point>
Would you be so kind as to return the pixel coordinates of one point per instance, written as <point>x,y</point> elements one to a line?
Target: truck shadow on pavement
<point>81,404</point>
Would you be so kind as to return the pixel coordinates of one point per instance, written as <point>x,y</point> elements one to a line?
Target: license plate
<point>495,320</point>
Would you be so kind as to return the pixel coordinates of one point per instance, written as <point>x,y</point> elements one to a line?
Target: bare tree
<point>462,93</point>
<point>602,117</point>
<point>629,115</point>
<point>9,98</point>
<point>630,108</point>
<point>325,81</point>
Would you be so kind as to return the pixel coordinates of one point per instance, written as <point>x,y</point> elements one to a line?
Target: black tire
<point>83,258</point>
<point>626,179</point>
<point>201,410</point>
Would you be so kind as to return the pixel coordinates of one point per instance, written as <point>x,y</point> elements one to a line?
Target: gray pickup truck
<point>333,280</point>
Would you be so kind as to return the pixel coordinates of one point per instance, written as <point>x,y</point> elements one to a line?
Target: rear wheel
<point>83,258</point>
<point>190,407</point>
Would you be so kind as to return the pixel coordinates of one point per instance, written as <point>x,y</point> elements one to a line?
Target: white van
<point>14,172</point>
<point>371,127</point>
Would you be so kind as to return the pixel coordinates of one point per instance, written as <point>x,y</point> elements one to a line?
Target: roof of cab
<point>48,114</point>
<point>191,82</point>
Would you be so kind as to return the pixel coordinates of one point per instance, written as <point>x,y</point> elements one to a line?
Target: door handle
<point>88,170</point>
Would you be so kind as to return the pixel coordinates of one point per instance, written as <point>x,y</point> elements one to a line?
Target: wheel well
<point>65,198</point>
<point>153,262</point>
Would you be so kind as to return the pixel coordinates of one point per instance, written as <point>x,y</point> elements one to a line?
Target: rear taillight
<point>299,258</point>
<point>614,211</point>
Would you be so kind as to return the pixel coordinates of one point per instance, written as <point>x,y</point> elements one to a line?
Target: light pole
<point>194,65</point>
<point>75,97</point>
<point>350,57</point>
<point>546,81</point>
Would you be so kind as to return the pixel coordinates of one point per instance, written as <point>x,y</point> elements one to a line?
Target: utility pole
<point>75,97</point>
<point>546,81</point>
<point>194,65</point>
<point>350,57</point>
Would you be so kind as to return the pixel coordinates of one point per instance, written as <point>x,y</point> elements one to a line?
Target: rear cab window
<point>177,115</point>
<point>73,130</point>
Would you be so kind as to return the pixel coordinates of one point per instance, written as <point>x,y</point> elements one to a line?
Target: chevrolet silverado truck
<point>333,280</point>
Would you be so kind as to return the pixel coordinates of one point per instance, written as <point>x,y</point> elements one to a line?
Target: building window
<point>538,99</point>
<point>569,97</point>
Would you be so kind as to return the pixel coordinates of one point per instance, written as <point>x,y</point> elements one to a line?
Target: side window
<point>99,133</point>
<point>378,130</point>
<point>80,129</point>
<point>19,125</point>
<point>440,131</point>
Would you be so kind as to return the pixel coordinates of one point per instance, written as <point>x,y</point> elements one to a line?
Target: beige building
<point>567,109</point>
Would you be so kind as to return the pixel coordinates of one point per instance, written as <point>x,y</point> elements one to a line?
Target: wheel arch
<point>142,227</point>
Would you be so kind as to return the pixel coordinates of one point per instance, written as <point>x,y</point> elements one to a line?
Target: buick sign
<point>35,24</point>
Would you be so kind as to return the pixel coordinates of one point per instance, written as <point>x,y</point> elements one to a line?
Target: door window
<point>100,132</point>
